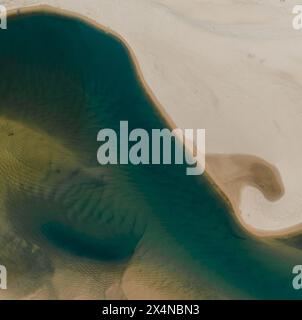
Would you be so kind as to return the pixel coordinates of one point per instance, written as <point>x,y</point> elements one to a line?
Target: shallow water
<point>61,82</point>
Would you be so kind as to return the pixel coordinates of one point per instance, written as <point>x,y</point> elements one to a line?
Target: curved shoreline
<point>232,208</point>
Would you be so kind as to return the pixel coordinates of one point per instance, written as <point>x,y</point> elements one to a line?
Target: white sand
<point>232,67</point>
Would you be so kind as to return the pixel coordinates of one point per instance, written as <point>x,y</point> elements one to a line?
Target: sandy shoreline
<point>231,195</point>
<point>229,174</point>
<point>160,109</point>
<point>233,172</point>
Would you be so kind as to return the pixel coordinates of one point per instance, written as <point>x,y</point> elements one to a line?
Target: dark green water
<point>67,79</point>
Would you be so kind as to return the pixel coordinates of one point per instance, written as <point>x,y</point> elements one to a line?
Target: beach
<point>122,215</point>
<point>228,67</point>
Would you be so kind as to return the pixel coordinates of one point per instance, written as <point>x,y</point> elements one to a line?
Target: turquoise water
<point>67,80</point>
